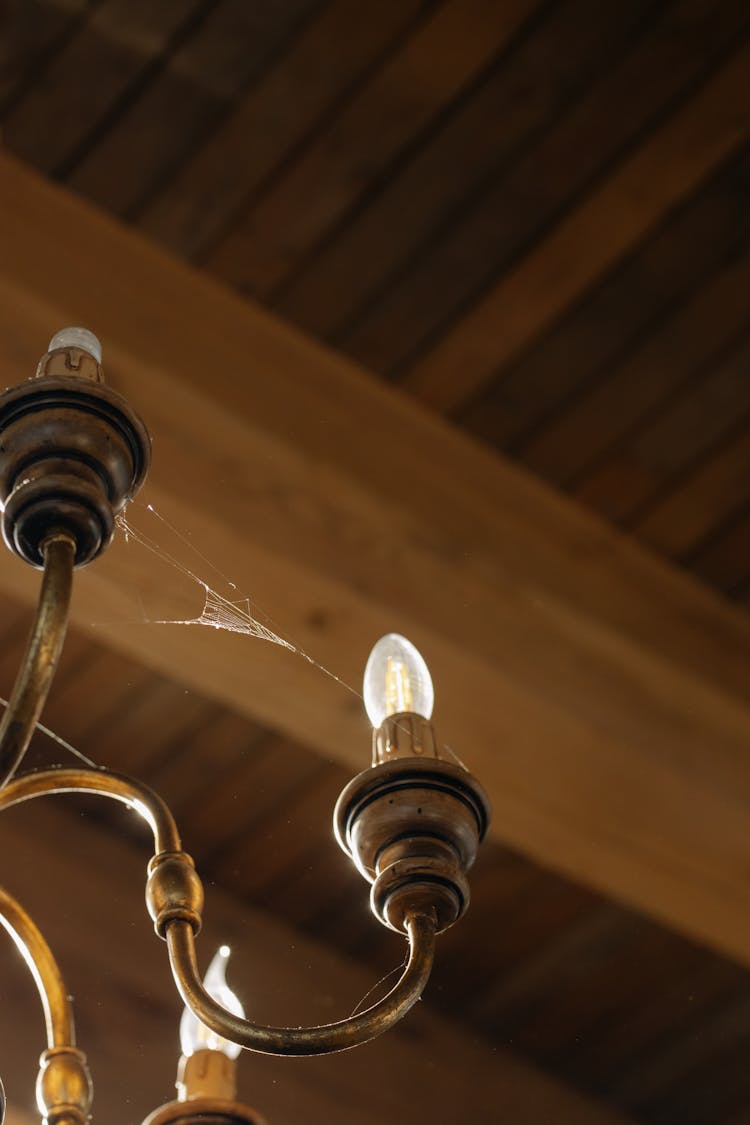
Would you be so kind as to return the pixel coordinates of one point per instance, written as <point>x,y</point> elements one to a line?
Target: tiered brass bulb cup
<point>72,453</point>
<point>412,824</point>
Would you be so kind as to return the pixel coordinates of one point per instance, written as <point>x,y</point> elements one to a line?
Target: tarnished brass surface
<point>72,453</point>
<point>412,827</point>
<point>174,891</point>
<point>58,1012</point>
<point>304,1040</point>
<point>63,1090</point>
<point>181,939</point>
<point>127,790</point>
<point>404,735</point>
<point>42,654</point>
<point>204,1111</point>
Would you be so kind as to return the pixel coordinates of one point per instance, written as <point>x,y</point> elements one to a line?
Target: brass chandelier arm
<point>134,794</point>
<point>320,1040</point>
<point>175,900</point>
<point>58,1012</point>
<point>42,654</point>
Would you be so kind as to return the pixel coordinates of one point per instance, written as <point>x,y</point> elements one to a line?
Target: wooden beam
<point>589,241</point>
<point>128,1010</point>
<point>600,695</point>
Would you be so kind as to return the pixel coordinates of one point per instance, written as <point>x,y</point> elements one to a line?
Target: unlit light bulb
<point>77,338</point>
<point>194,1035</point>
<point>396,680</point>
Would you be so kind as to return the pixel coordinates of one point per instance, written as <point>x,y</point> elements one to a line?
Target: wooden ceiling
<point>532,217</point>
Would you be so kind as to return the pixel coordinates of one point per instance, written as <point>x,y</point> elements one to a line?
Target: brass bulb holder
<point>204,1111</point>
<point>207,1094</point>
<point>413,825</point>
<point>72,453</point>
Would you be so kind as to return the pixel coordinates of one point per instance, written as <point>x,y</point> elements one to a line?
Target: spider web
<point>219,612</point>
<point>235,615</point>
<point>232,614</point>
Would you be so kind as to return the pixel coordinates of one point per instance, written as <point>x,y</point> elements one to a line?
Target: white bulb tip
<point>77,338</point>
<point>224,951</point>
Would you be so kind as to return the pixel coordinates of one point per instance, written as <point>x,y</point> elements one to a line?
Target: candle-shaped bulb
<point>194,1035</point>
<point>396,680</point>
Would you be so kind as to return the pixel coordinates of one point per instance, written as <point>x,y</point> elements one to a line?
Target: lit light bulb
<point>77,338</point>
<point>194,1035</point>
<point>396,680</point>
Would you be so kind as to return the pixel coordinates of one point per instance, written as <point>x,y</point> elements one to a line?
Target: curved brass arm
<point>180,940</point>
<point>58,1013</point>
<point>134,794</point>
<point>319,1040</point>
<point>42,654</point>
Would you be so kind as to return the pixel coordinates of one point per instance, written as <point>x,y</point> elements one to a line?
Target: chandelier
<point>72,454</point>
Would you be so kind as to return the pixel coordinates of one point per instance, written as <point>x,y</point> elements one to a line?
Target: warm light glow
<point>396,680</point>
<point>194,1035</point>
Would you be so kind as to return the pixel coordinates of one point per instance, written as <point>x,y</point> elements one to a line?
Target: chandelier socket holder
<point>64,1091</point>
<point>204,1111</point>
<point>72,453</point>
<point>413,827</point>
<point>174,891</point>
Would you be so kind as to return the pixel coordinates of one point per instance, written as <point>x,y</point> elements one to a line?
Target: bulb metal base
<point>404,735</point>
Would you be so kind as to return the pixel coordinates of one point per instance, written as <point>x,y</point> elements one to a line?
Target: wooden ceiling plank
<point>377,125</point>
<point>96,695</point>
<point>600,330</point>
<point>634,73</point>
<point>541,71</point>
<point>653,1083</point>
<point>618,718</point>
<point>134,735</point>
<point>208,749</point>
<point>690,984</point>
<point>31,29</point>
<point>127,1003</point>
<point>723,559</point>
<point>692,337</point>
<point>198,83</point>
<point>287,841</point>
<point>88,76</point>
<point>649,460</point>
<point>192,209</point>
<point>686,519</point>
<point>590,240</point>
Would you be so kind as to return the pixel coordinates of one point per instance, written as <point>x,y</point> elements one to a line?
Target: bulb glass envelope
<point>396,680</point>
<point>194,1035</point>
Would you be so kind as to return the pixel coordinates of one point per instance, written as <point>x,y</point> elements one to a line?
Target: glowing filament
<point>398,696</point>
